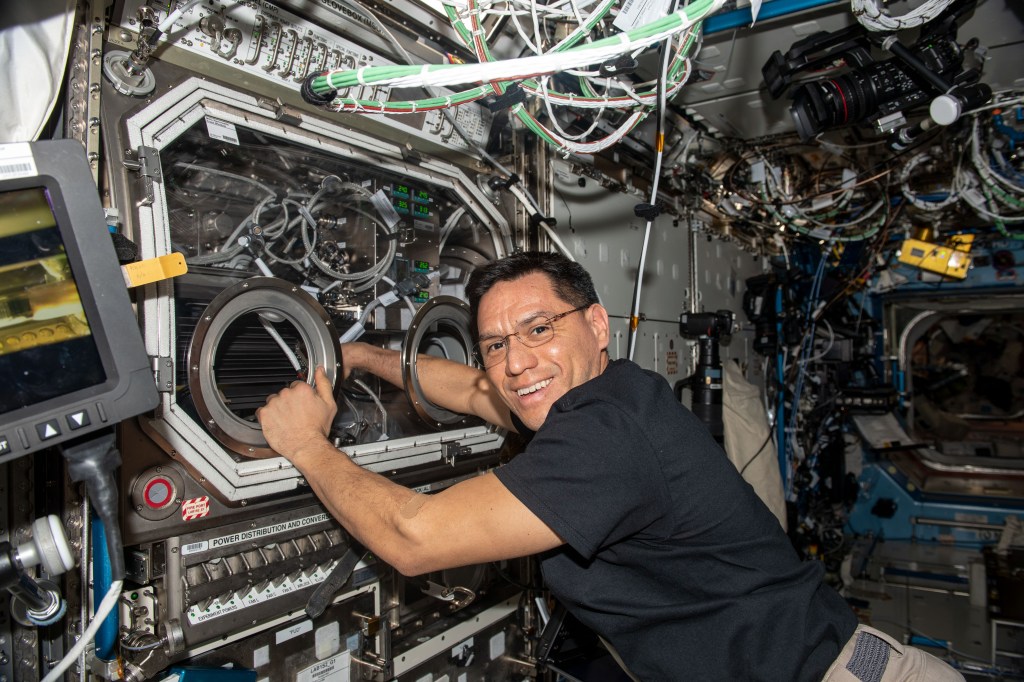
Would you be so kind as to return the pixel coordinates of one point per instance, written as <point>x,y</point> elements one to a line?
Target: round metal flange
<point>116,69</point>
<point>440,328</point>
<point>156,493</point>
<point>276,300</point>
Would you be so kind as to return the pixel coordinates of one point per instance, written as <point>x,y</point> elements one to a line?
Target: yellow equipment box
<point>951,259</point>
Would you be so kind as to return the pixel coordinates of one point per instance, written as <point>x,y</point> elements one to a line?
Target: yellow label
<point>154,270</point>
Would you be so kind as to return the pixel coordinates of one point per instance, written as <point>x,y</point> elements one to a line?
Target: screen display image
<point>46,345</point>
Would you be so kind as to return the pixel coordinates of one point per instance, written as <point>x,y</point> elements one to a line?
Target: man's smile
<point>532,389</point>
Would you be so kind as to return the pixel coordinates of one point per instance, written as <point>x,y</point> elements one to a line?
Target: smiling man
<point>645,531</point>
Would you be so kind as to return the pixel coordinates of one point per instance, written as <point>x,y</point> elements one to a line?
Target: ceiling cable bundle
<point>578,72</point>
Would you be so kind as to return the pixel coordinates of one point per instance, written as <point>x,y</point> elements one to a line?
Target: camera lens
<point>837,101</point>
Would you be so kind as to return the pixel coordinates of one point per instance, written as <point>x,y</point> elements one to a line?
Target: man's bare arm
<point>475,521</point>
<point>448,384</point>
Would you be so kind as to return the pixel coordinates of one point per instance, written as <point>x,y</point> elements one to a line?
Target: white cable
<point>634,313</point>
<point>528,204</point>
<point>825,351</point>
<point>106,606</point>
<point>288,352</point>
<point>449,226</point>
<point>556,241</point>
<point>911,196</point>
<point>549,63</point>
<point>874,18</point>
<point>356,330</point>
<point>383,413</point>
<point>167,23</point>
<point>997,103</point>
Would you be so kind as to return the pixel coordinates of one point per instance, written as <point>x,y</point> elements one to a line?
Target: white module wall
<point>601,230</point>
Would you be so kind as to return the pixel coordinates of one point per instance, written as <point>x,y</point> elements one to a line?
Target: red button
<point>159,492</point>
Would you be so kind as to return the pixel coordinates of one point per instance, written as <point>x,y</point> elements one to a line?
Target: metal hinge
<point>146,162</point>
<point>163,368</point>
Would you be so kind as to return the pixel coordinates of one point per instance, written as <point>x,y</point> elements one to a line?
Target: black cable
<point>756,454</point>
<point>94,463</point>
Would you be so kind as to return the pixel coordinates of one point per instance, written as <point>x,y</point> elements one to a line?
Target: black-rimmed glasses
<point>532,333</point>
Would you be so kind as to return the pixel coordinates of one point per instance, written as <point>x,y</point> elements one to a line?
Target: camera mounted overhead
<point>878,91</point>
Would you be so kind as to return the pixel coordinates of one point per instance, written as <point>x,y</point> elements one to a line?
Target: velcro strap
<point>870,656</point>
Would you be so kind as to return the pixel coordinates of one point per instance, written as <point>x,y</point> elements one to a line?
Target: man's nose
<point>520,357</point>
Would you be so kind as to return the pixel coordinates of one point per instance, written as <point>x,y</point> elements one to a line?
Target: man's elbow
<point>415,550</point>
<point>412,563</point>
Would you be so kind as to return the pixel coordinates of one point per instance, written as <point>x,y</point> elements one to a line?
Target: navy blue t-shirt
<point>669,554</point>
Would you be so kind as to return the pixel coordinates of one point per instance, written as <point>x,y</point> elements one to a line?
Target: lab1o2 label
<point>333,669</point>
<point>253,534</point>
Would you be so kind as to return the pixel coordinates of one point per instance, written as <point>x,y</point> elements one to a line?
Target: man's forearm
<point>380,362</point>
<point>445,383</point>
<point>367,504</point>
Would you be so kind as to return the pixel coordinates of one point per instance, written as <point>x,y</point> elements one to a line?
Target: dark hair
<point>571,282</point>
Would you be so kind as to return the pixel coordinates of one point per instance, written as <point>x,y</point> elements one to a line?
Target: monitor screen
<point>46,345</point>
<point>72,358</point>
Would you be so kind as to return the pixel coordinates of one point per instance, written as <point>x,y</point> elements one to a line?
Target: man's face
<point>532,379</point>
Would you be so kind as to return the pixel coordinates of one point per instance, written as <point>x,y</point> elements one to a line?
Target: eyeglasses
<point>533,333</point>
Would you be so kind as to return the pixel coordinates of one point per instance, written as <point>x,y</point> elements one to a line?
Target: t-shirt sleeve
<point>590,474</point>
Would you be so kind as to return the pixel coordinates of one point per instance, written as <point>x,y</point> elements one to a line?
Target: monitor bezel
<point>63,172</point>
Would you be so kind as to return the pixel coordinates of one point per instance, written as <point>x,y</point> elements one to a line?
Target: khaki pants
<point>873,656</point>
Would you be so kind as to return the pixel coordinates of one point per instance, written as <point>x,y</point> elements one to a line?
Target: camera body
<point>873,90</point>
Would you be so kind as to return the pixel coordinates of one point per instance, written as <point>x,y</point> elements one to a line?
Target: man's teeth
<point>536,387</point>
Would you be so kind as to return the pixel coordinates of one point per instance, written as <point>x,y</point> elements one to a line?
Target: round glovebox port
<point>441,329</point>
<point>253,339</point>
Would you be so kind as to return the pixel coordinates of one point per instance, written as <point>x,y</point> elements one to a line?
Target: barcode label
<point>194,547</point>
<point>16,161</point>
<point>636,13</point>
<point>221,130</point>
<point>15,168</point>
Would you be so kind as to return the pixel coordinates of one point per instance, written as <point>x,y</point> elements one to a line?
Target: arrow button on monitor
<point>77,420</point>
<point>48,429</point>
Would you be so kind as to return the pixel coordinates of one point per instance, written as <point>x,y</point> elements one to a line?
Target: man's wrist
<point>308,451</point>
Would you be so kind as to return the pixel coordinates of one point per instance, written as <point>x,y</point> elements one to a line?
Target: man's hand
<point>300,416</point>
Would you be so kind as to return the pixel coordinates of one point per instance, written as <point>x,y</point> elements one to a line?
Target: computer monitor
<point>72,358</point>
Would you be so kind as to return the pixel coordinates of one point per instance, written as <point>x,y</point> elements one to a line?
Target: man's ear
<point>597,318</point>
